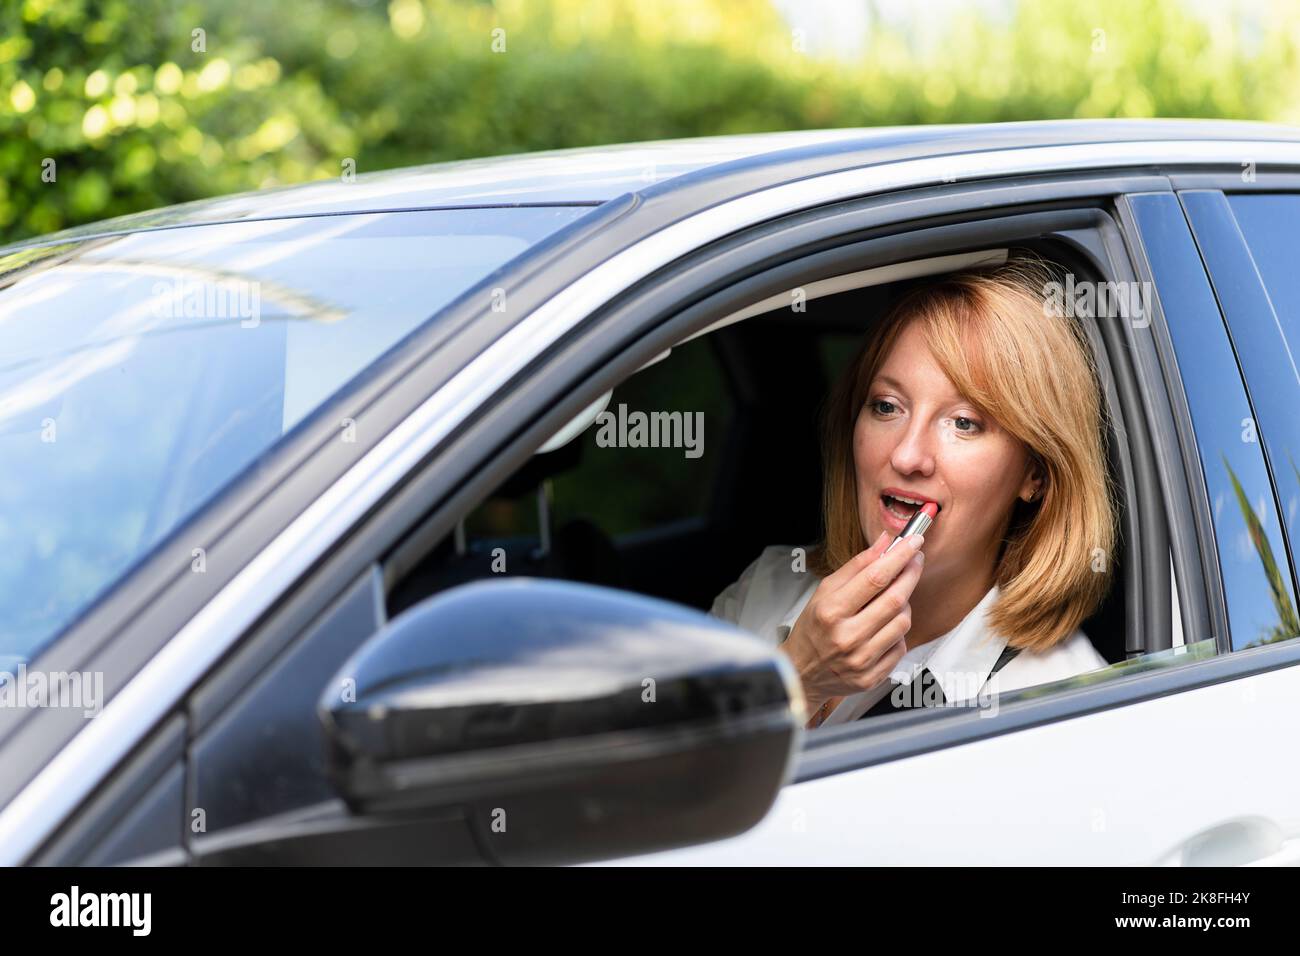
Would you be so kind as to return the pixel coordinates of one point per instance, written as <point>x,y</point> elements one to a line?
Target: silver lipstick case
<point>919,524</point>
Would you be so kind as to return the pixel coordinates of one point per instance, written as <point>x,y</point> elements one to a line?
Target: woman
<point>974,395</point>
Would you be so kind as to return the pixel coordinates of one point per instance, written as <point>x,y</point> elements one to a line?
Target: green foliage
<point>133,115</point>
<point>1288,625</point>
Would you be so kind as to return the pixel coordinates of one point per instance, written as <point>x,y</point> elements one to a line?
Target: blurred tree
<point>1287,624</point>
<point>111,106</point>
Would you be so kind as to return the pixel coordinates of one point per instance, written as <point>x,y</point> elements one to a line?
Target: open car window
<point>639,514</point>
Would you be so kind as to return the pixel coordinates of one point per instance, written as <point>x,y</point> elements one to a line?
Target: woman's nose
<point>915,450</point>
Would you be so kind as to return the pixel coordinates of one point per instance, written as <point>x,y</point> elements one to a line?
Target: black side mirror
<point>569,722</point>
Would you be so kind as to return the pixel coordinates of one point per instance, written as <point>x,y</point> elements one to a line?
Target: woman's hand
<point>850,635</point>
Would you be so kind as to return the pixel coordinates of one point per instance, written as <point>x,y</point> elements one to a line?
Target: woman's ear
<point>1031,489</point>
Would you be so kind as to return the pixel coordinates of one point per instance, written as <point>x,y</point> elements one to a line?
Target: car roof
<point>592,175</point>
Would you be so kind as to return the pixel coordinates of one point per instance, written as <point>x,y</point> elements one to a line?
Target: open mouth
<point>901,508</point>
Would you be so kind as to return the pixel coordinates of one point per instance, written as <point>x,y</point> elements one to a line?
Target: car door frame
<point>210,788</point>
<point>605,348</point>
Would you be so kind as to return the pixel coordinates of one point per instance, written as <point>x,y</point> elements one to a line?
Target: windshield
<point>140,374</point>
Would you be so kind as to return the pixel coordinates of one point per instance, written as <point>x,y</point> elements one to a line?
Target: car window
<point>836,351</point>
<point>627,499</point>
<point>1271,230</point>
<point>626,503</point>
<point>141,373</point>
<point>628,484</point>
<point>610,475</point>
<point>1251,552</point>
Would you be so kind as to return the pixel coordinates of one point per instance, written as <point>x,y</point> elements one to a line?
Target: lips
<point>898,506</point>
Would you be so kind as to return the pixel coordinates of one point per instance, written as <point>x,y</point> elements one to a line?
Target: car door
<point>1091,776</point>
<point>1161,773</point>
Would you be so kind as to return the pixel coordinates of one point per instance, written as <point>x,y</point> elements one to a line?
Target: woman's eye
<point>969,424</point>
<point>883,406</point>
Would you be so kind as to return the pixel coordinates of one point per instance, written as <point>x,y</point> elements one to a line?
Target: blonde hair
<point>1033,372</point>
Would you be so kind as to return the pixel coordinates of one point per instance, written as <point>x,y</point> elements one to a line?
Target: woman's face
<point>917,437</point>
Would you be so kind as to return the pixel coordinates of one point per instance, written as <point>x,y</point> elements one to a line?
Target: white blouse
<point>770,595</point>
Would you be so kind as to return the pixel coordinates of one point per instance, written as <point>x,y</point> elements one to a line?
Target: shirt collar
<point>961,659</point>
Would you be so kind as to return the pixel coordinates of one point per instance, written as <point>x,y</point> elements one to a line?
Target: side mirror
<point>570,722</point>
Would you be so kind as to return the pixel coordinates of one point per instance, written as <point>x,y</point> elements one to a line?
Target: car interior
<point>661,523</point>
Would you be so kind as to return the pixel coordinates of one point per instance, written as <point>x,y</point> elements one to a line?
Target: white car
<point>310,541</point>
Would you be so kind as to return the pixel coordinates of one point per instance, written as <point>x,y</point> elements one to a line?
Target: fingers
<point>891,602</point>
<point>881,645</point>
<point>867,671</point>
<point>876,576</point>
<point>885,666</point>
<point>840,576</point>
<point>855,632</point>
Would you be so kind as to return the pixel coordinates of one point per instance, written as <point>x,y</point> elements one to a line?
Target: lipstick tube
<point>919,523</point>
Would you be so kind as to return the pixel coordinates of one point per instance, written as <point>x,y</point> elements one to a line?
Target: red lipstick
<point>919,523</point>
